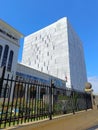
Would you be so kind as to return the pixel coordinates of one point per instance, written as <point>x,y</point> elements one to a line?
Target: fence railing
<point>26,101</point>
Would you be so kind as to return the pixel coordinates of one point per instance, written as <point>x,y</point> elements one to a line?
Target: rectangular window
<point>47,45</point>
<point>41,68</point>
<point>53,47</point>
<point>42,39</point>
<point>37,56</point>
<point>47,53</point>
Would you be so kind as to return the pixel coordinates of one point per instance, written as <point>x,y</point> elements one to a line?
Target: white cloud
<point>94,81</point>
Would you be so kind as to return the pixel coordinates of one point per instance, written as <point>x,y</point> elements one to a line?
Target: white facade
<point>9,46</point>
<point>57,50</point>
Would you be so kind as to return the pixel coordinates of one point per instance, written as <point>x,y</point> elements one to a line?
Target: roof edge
<point>2,22</point>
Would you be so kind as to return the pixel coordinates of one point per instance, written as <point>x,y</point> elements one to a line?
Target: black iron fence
<point>26,101</point>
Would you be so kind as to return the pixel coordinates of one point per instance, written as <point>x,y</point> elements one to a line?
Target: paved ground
<point>80,121</point>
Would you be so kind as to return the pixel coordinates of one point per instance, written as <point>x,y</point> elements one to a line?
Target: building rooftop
<point>9,27</point>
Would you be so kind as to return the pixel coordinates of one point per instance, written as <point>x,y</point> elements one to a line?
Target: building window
<point>41,68</point>
<point>53,47</point>
<point>40,36</point>
<point>36,56</point>
<point>1,48</point>
<point>42,39</point>
<point>39,51</point>
<point>38,65</point>
<point>36,38</point>
<point>47,53</point>
<point>47,45</point>
<point>5,54</point>
<point>10,61</point>
<point>45,41</point>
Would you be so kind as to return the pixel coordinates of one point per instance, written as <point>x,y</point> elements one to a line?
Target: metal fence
<point>26,101</point>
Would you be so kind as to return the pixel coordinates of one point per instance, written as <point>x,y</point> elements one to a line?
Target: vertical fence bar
<point>32,102</point>
<point>50,101</point>
<point>29,109</point>
<point>44,108</point>
<point>35,101</point>
<point>40,101</point>
<point>20,102</point>
<point>12,104</point>
<point>1,86</point>
<point>2,79</point>
<point>91,95</point>
<point>73,100</point>
<point>23,107</point>
<point>16,104</point>
<point>38,106</point>
<point>86,100</point>
<point>4,101</point>
<point>45,104</point>
<point>26,103</point>
<point>8,103</point>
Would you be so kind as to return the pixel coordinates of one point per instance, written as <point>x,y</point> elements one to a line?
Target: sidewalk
<point>79,121</point>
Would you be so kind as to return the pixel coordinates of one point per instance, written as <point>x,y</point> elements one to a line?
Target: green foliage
<point>57,107</point>
<point>62,97</point>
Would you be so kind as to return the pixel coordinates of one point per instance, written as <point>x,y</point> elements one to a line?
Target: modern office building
<point>57,50</point>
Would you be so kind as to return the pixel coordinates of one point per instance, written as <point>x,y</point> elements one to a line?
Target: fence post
<point>1,79</point>
<point>86,101</point>
<point>50,100</point>
<point>73,102</point>
<point>91,95</point>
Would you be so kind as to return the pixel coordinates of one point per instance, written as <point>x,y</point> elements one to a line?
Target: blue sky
<point>28,16</point>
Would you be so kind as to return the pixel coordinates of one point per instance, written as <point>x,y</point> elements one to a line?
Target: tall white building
<point>57,50</point>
